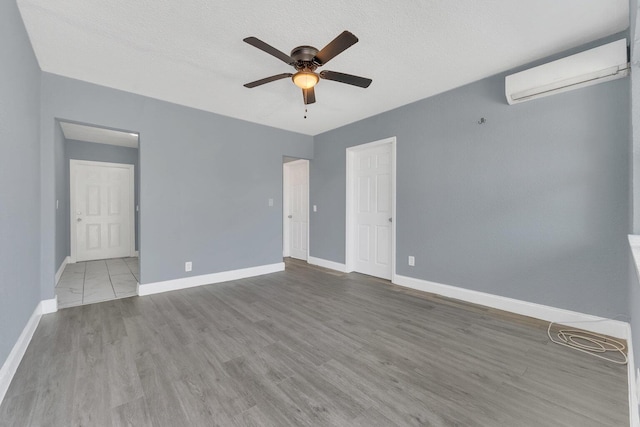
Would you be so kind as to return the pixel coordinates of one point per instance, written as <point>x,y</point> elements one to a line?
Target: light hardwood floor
<point>305,347</point>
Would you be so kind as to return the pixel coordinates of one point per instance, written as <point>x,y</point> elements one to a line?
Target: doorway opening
<point>370,243</point>
<point>97,227</point>
<point>295,208</point>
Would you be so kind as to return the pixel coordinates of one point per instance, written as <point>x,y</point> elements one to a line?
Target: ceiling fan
<point>306,59</point>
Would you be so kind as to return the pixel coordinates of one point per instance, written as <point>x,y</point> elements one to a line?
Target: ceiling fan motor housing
<point>303,57</point>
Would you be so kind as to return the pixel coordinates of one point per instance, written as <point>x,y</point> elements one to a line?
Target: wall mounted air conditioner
<point>604,63</point>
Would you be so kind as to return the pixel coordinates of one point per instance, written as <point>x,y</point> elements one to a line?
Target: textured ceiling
<point>192,53</point>
<point>99,135</point>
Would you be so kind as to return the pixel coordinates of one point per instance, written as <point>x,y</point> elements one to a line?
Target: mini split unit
<point>602,64</point>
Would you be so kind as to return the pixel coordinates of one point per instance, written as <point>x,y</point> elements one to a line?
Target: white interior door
<point>296,208</point>
<point>101,210</point>
<point>373,211</point>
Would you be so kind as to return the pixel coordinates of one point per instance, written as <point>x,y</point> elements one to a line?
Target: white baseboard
<point>332,265</point>
<point>10,365</point>
<point>207,279</point>
<point>64,263</point>
<point>601,325</point>
<point>634,416</point>
<point>49,305</point>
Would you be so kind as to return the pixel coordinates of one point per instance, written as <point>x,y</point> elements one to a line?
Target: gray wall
<point>205,179</point>
<point>19,178</point>
<point>532,205</point>
<point>81,150</point>
<point>634,112</point>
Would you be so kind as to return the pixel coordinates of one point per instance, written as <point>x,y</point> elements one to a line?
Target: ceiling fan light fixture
<point>305,79</point>
<point>305,60</point>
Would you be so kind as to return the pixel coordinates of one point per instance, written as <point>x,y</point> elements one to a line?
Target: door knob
<point>290,216</point>
<point>79,219</point>
<point>390,220</point>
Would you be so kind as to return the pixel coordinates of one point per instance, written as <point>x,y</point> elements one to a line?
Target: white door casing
<point>101,210</point>
<point>370,227</point>
<point>296,209</point>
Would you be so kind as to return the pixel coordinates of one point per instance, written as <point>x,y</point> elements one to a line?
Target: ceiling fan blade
<point>338,45</point>
<point>309,96</point>
<point>253,41</point>
<point>268,80</point>
<point>345,78</point>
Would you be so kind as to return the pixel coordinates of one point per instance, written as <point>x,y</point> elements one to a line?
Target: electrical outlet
<point>270,202</point>
<point>188,266</point>
<point>412,260</point>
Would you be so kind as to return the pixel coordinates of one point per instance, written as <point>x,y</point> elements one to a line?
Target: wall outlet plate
<point>188,266</point>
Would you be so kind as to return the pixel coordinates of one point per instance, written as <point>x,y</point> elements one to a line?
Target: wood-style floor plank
<point>131,414</point>
<point>305,347</point>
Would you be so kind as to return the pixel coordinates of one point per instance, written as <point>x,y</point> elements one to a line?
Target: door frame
<point>73,164</point>
<point>350,231</point>
<point>286,230</point>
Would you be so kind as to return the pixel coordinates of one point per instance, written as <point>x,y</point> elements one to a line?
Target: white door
<point>296,208</point>
<point>101,210</point>
<point>373,211</point>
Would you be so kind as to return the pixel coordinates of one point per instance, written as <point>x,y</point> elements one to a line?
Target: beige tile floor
<point>95,281</point>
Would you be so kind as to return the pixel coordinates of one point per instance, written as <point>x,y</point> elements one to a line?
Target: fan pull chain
<point>305,112</point>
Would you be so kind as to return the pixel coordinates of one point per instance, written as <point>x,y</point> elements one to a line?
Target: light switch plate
<point>412,260</point>
<point>315,208</point>
<point>188,266</point>
<point>270,202</point>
